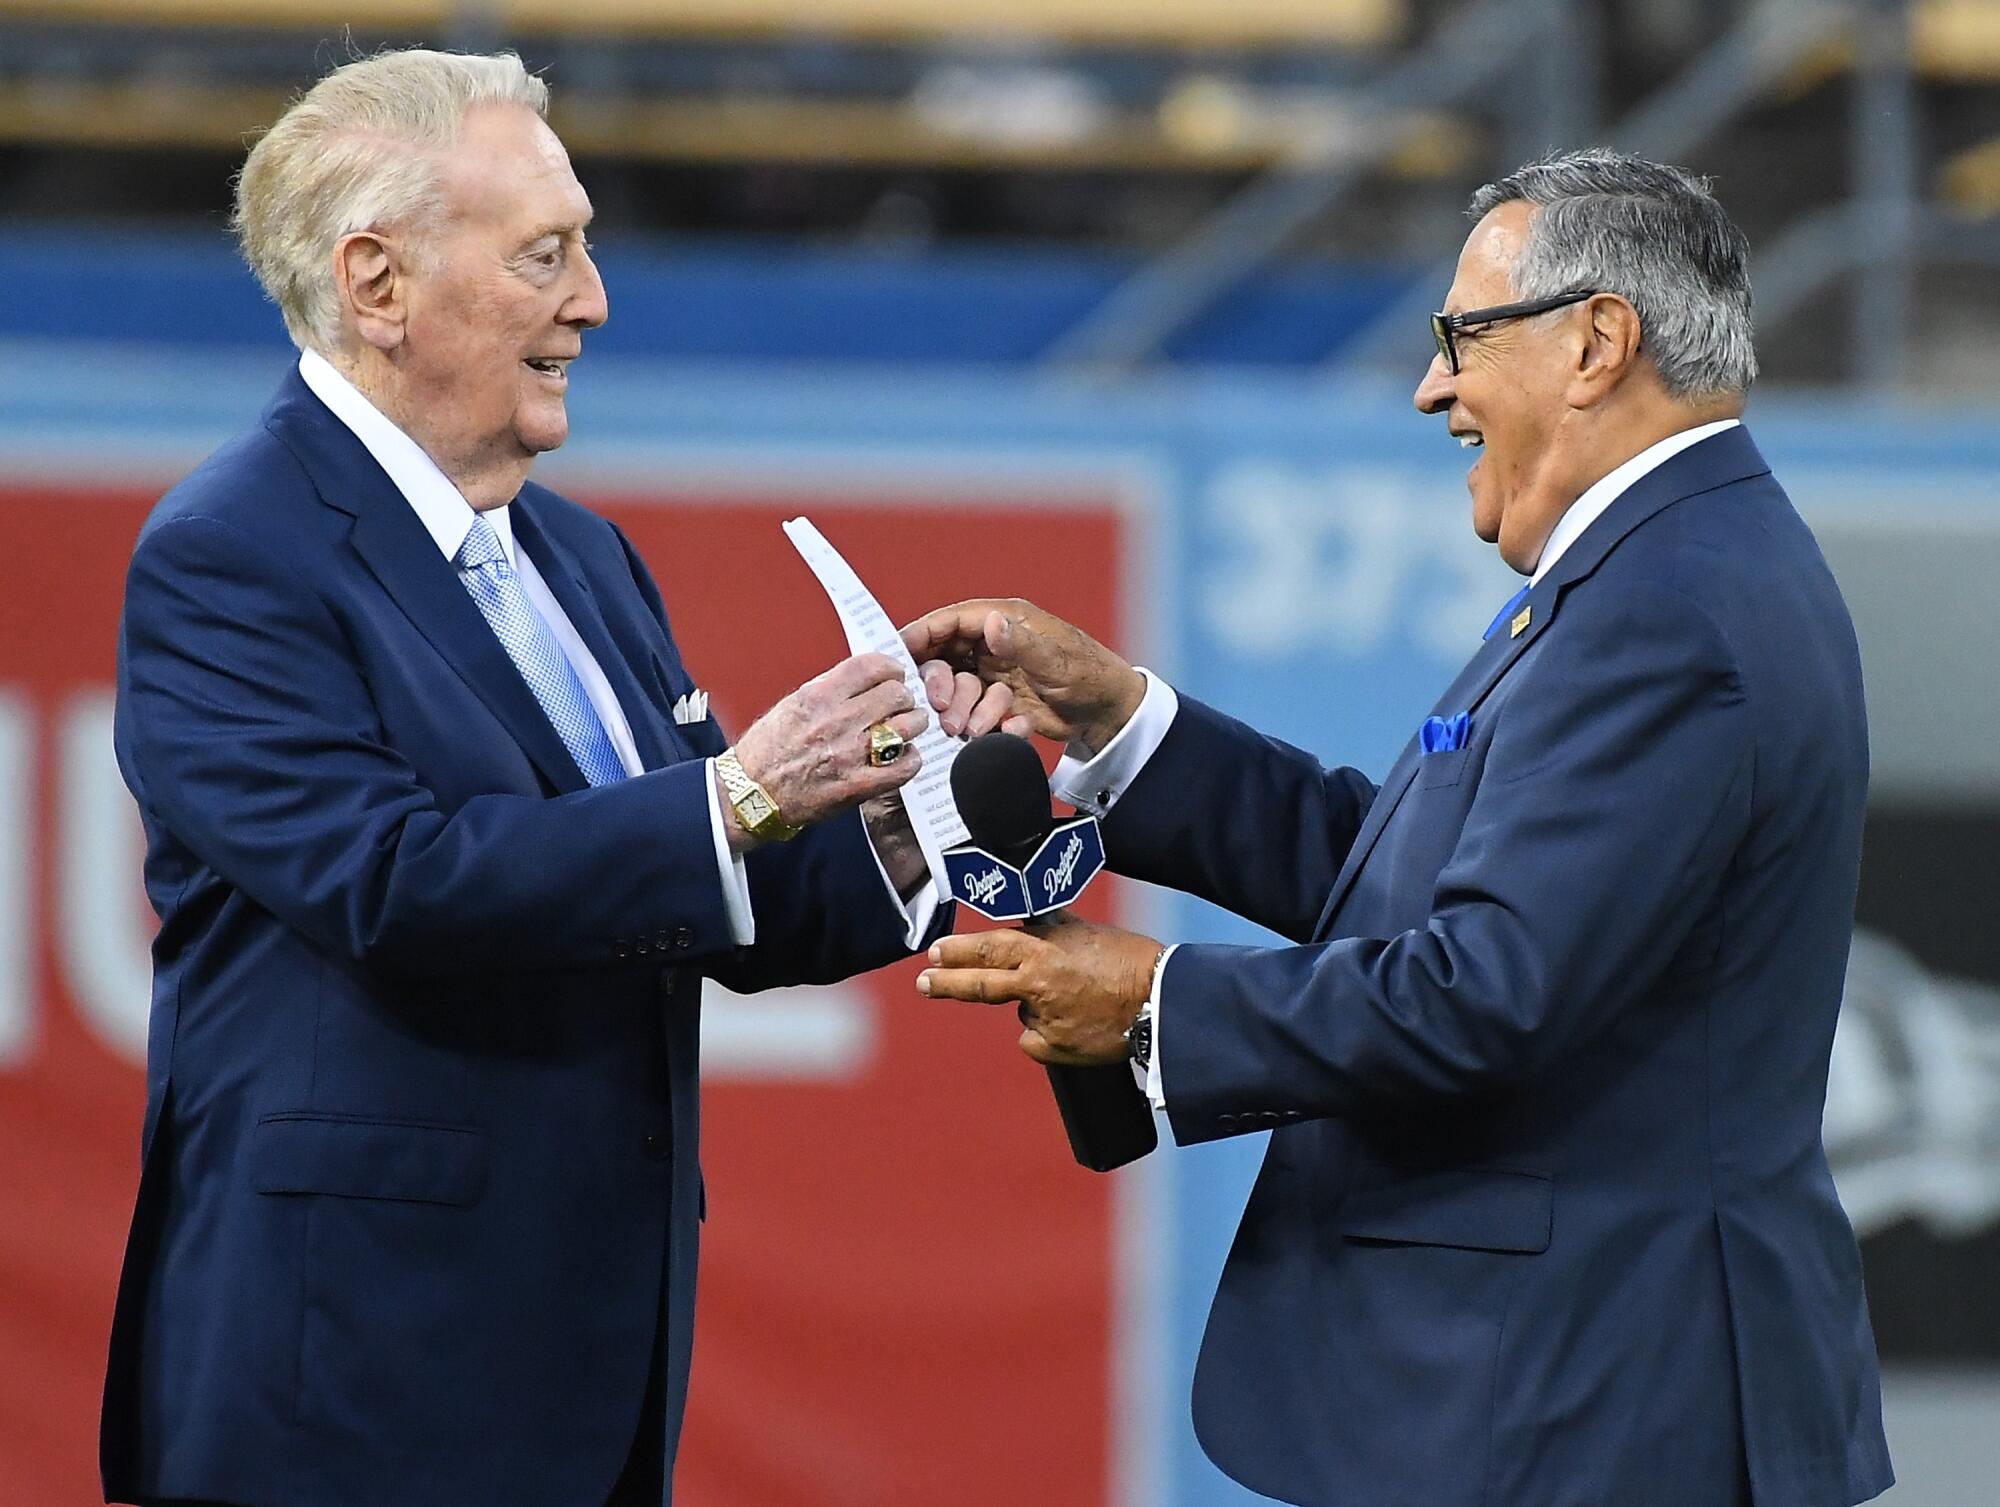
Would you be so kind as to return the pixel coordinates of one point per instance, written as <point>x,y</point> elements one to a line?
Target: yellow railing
<point>1949,38</point>
<point>1969,182</point>
<point>1958,39</point>
<point>1353,23</point>
<point>737,129</point>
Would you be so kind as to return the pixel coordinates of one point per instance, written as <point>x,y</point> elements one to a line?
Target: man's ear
<point>1608,352</point>
<point>369,274</point>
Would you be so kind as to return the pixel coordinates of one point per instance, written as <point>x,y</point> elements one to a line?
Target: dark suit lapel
<point>401,554</point>
<point>1495,657</point>
<point>657,746</point>
<point>1714,462</point>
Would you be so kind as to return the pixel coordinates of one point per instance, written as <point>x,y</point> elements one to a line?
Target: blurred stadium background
<point>1130,293</point>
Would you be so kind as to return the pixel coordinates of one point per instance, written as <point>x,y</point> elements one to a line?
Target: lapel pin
<point>1520,624</point>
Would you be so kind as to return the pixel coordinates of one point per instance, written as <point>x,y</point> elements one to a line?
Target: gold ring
<point>885,745</point>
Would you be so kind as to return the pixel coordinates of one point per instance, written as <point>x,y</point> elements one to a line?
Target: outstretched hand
<point>1079,985</point>
<point>1062,683</point>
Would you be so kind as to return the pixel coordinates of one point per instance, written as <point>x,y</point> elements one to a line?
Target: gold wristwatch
<point>754,806</point>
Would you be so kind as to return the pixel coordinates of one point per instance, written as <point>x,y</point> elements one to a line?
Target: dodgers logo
<point>1057,880</point>
<point>984,889</point>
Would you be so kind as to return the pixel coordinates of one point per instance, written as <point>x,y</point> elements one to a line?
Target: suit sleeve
<point>251,735</point>
<point>1241,820</point>
<point>822,909</point>
<point>1616,787</point>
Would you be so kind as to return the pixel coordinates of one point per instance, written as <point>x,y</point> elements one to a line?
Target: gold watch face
<point>755,808</point>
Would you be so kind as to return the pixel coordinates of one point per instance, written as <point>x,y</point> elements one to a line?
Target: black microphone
<point>1021,863</point>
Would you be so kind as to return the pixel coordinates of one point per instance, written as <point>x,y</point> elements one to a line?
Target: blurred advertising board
<point>899,1249</point>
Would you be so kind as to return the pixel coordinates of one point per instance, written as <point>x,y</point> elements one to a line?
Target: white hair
<point>359,150</point>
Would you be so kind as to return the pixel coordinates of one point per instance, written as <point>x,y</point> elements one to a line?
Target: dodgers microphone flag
<point>1068,859</point>
<point>1018,868</point>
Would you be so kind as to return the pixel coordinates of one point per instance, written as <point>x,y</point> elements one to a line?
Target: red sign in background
<point>906,1290</point>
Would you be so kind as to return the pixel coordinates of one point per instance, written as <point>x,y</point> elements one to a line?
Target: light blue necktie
<point>531,644</point>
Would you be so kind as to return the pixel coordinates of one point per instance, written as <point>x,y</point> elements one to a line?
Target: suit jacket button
<point>683,937</point>
<point>621,948</point>
<point>641,947</point>
<point>659,1147</point>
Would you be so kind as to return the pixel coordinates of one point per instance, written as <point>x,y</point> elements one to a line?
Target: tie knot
<point>481,546</point>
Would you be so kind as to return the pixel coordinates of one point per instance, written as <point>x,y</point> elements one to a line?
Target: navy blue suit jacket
<point>421,1136</point>
<point>1545,1220</point>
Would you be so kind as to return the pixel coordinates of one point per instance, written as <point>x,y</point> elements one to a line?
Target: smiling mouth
<point>547,366</point>
<point>1470,439</point>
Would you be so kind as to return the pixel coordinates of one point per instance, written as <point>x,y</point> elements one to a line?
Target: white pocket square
<point>692,707</point>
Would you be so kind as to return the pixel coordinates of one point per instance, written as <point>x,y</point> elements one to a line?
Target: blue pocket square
<point>1443,734</point>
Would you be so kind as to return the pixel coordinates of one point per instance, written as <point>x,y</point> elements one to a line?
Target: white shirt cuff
<point>1094,785</point>
<point>1155,1086</point>
<point>919,912</point>
<point>735,877</point>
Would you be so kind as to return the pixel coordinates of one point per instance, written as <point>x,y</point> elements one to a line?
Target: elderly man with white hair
<point>443,841</point>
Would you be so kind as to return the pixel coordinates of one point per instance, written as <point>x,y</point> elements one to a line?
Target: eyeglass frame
<point>1445,328</point>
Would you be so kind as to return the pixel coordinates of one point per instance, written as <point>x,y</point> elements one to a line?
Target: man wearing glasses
<point>1545,1219</point>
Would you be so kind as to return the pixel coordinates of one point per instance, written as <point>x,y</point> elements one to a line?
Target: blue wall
<point>702,299</point>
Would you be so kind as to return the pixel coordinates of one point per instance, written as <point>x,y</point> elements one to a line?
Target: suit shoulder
<point>253,483</point>
<point>590,535</point>
<point>567,519</point>
<point>1721,548</point>
<point>1747,575</point>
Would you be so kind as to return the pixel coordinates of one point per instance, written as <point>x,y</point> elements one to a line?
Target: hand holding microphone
<point>1079,985</point>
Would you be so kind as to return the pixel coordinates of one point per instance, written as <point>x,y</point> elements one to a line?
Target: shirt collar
<point>439,505</point>
<point>1588,508</point>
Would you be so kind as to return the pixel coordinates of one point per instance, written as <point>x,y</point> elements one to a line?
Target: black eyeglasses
<point>1445,327</point>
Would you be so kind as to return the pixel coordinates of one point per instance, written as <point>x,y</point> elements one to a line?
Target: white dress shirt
<point>1095,784</point>
<point>447,518</point>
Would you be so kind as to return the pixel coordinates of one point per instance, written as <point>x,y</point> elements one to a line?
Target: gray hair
<point>1656,236</point>
<point>359,150</point>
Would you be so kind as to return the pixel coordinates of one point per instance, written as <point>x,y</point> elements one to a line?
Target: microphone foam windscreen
<point>1003,795</point>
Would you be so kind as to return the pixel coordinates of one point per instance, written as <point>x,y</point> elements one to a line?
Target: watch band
<point>751,801</point>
